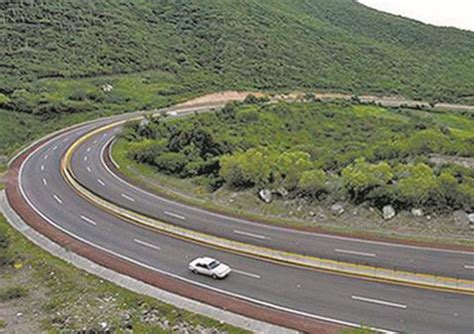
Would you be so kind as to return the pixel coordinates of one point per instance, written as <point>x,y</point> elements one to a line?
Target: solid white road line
<point>468,267</point>
<point>101,182</point>
<point>42,167</point>
<point>89,169</point>
<point>247,234</point>
<point>131,199</point>
<point>44,181</point>
<point>380,302</point>
<point>56,197</point>
<point>143,243</point>
<point>88,220</point>
<point>246,273</point>
<point>175,215</point>
<point>354,252</point>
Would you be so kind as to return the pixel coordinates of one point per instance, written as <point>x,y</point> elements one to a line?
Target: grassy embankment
<point>40,292</point>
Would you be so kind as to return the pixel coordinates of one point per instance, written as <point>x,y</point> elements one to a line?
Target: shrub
<point>171,162</point>
<point>313,183</point>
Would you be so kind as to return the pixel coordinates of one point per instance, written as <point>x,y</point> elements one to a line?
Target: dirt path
<point>385,101</point>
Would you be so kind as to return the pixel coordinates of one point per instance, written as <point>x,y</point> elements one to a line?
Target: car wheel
<point>214,276</point>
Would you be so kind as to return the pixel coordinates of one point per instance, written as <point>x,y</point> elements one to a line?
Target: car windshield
<point>214,264</point>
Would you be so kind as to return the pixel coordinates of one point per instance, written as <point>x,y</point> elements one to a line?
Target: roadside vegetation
<point>319,151</point>
<point>39,292</point>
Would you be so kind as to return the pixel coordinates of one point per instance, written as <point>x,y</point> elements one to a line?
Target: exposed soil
<point>386,101</point>
<point>439,159</point>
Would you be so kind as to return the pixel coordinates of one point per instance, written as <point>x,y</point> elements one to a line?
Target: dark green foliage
<point>337,44</point>
<point>363,153</point>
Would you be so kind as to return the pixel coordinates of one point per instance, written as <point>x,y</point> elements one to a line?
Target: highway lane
<point>91,170</point>
<point>315,293</point>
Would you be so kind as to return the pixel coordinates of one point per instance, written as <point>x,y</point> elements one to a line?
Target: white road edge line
<point>246,273</point>
<point>131,199</point>
<point>143,243</point>
<point>252,235</point>
<point>101,182</point>
<point>175,215</point>
<point>337,250</point>
<point>469,267</point>
<point>88,220</point>
<point>380,302</point>
<point>44,181</point>
<point>59,200</point>
<point>164,272</point>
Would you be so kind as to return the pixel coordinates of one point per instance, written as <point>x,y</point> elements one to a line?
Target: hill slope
<point>337,44</point>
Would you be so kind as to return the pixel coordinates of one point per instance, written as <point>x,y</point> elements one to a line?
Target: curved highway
<point>92,171</point>
<point>320,295</point>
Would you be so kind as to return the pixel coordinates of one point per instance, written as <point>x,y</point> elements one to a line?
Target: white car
<point>209,267</point>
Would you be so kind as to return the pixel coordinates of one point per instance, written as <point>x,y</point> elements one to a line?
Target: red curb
<point>235,305</point>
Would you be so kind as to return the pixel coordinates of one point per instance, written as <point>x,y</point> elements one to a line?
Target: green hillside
<point>337,44</point>
<point>56,55</point>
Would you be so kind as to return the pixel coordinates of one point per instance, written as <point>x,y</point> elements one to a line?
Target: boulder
<point>281,192</point>
<point>265,195</point>
<point>337,209</point>
<point>470,217</point>
<point>388,212</point>
<point>417,212</point>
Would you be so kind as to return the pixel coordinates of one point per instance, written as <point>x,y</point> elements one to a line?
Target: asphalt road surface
<point>318,294</point>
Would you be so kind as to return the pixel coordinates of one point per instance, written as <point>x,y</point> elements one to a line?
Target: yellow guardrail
<point>282,257</point>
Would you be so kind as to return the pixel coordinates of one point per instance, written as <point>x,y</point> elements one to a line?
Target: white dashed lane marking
<point>175,215</point>
<point>59,200</point>
<point>131,199</point>
<point>379,302</point>
<point>88,220</point>
<point>246,273</point>
<point>146,244</point>
<point>354,252</point>
<point>252,235</point>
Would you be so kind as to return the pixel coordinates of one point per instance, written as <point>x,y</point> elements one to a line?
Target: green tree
<point>362,177</point>
<point>419,187</point>
<point>313,183</point>
<point>290,166</point>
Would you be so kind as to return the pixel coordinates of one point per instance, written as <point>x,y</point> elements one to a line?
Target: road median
<point>268,254</point>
